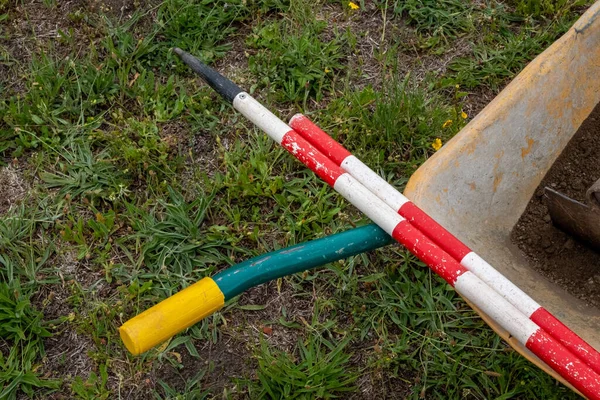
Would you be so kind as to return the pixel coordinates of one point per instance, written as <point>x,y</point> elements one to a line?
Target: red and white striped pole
<point>449,243</point>
<point>566,364</point>
<point>465,282</point>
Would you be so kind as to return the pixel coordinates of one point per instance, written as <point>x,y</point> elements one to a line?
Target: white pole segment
<point>261,116</point>
<point>374,182</point>
<point>501,284</point>
<point>366,201</point>
<point>496,306</point>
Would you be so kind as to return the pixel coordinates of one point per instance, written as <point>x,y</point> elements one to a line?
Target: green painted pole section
<point>298,258</point>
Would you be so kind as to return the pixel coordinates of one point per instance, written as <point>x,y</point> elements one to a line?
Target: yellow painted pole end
<point>171,316</point>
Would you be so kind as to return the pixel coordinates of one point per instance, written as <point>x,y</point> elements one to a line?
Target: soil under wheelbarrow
<point>560,257</point>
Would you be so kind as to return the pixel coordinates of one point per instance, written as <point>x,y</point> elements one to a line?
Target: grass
<point>322,371</point>
<point>438,21</point>
<point>495,60</point>
<point>140,181</point>
<point>294,62</point>
<point>22,329</point>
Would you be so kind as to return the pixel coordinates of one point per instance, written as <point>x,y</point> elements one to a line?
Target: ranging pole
<point>203,298</point>
<point>576,372</point>
<point>448,242</point>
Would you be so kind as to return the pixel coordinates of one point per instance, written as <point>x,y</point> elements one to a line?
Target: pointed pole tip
<point>223,86</point>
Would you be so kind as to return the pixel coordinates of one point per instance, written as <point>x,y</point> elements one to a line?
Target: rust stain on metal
<point>498,175</point>
<point>470,148</point>
<point>527,150</point>
<point>497,179</point>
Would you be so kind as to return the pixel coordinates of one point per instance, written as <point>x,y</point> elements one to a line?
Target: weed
<point>439,21</point>
<point>492,66</point>
<point>294,63</point>
<point>94,387</point>
<point>91,237</point>
<point>254,177</point>
<point>200,27</point>
<point>508,41</point>
<point>395,126</point>
<point>174,241</point>
<point>444,18</point>
<point>81,173</point>
<point>18,319</point>
<point>21,331</point>
<point>126,55</point>
<point>163,102</point>
<point>139,150</point>
<point>319,371</point>
<point>24,244</point>
<point>61,94</point>
<point>192,390</point>
<point>548,8</point>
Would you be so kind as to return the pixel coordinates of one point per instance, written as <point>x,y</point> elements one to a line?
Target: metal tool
<point>580,220</point>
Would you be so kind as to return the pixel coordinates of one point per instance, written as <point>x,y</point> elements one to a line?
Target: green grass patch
<point>440,21</point>
<point>319,370</point>
<point>22,331</point>
<point>492,64</point>
<point>393,129</point>
<point>293,61</point>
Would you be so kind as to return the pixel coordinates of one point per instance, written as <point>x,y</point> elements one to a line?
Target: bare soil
<point>557,255</point>
<point>66,27</point>
<point>13,188</point>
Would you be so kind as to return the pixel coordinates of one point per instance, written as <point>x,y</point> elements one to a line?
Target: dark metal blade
<point>593,195</point>
<point>574,217</point>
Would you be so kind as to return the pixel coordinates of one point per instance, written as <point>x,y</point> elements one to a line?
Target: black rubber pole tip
<point>226,88</point>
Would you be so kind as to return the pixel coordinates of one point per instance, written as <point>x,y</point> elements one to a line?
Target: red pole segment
<point>448,242</point>
<point>467,283</point>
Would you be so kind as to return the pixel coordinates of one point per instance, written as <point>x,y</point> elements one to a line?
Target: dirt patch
<point>67,357</point>
<point>560,257</point>
<point>379,383</point>
<point>222,364</point>
<point>234,65</point>
<point>34,23</point>
<point>479,98</point>
<point>13,188</point>
<point>66,27</point>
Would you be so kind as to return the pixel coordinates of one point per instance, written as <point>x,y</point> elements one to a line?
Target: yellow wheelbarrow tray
<point>481,181</point>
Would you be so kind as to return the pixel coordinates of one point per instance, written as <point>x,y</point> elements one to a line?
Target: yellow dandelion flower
<point>353,5</point>
<point>463,115</point>
<point>437,144</point>
<point>327,70</point>
<point>447,124</point>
